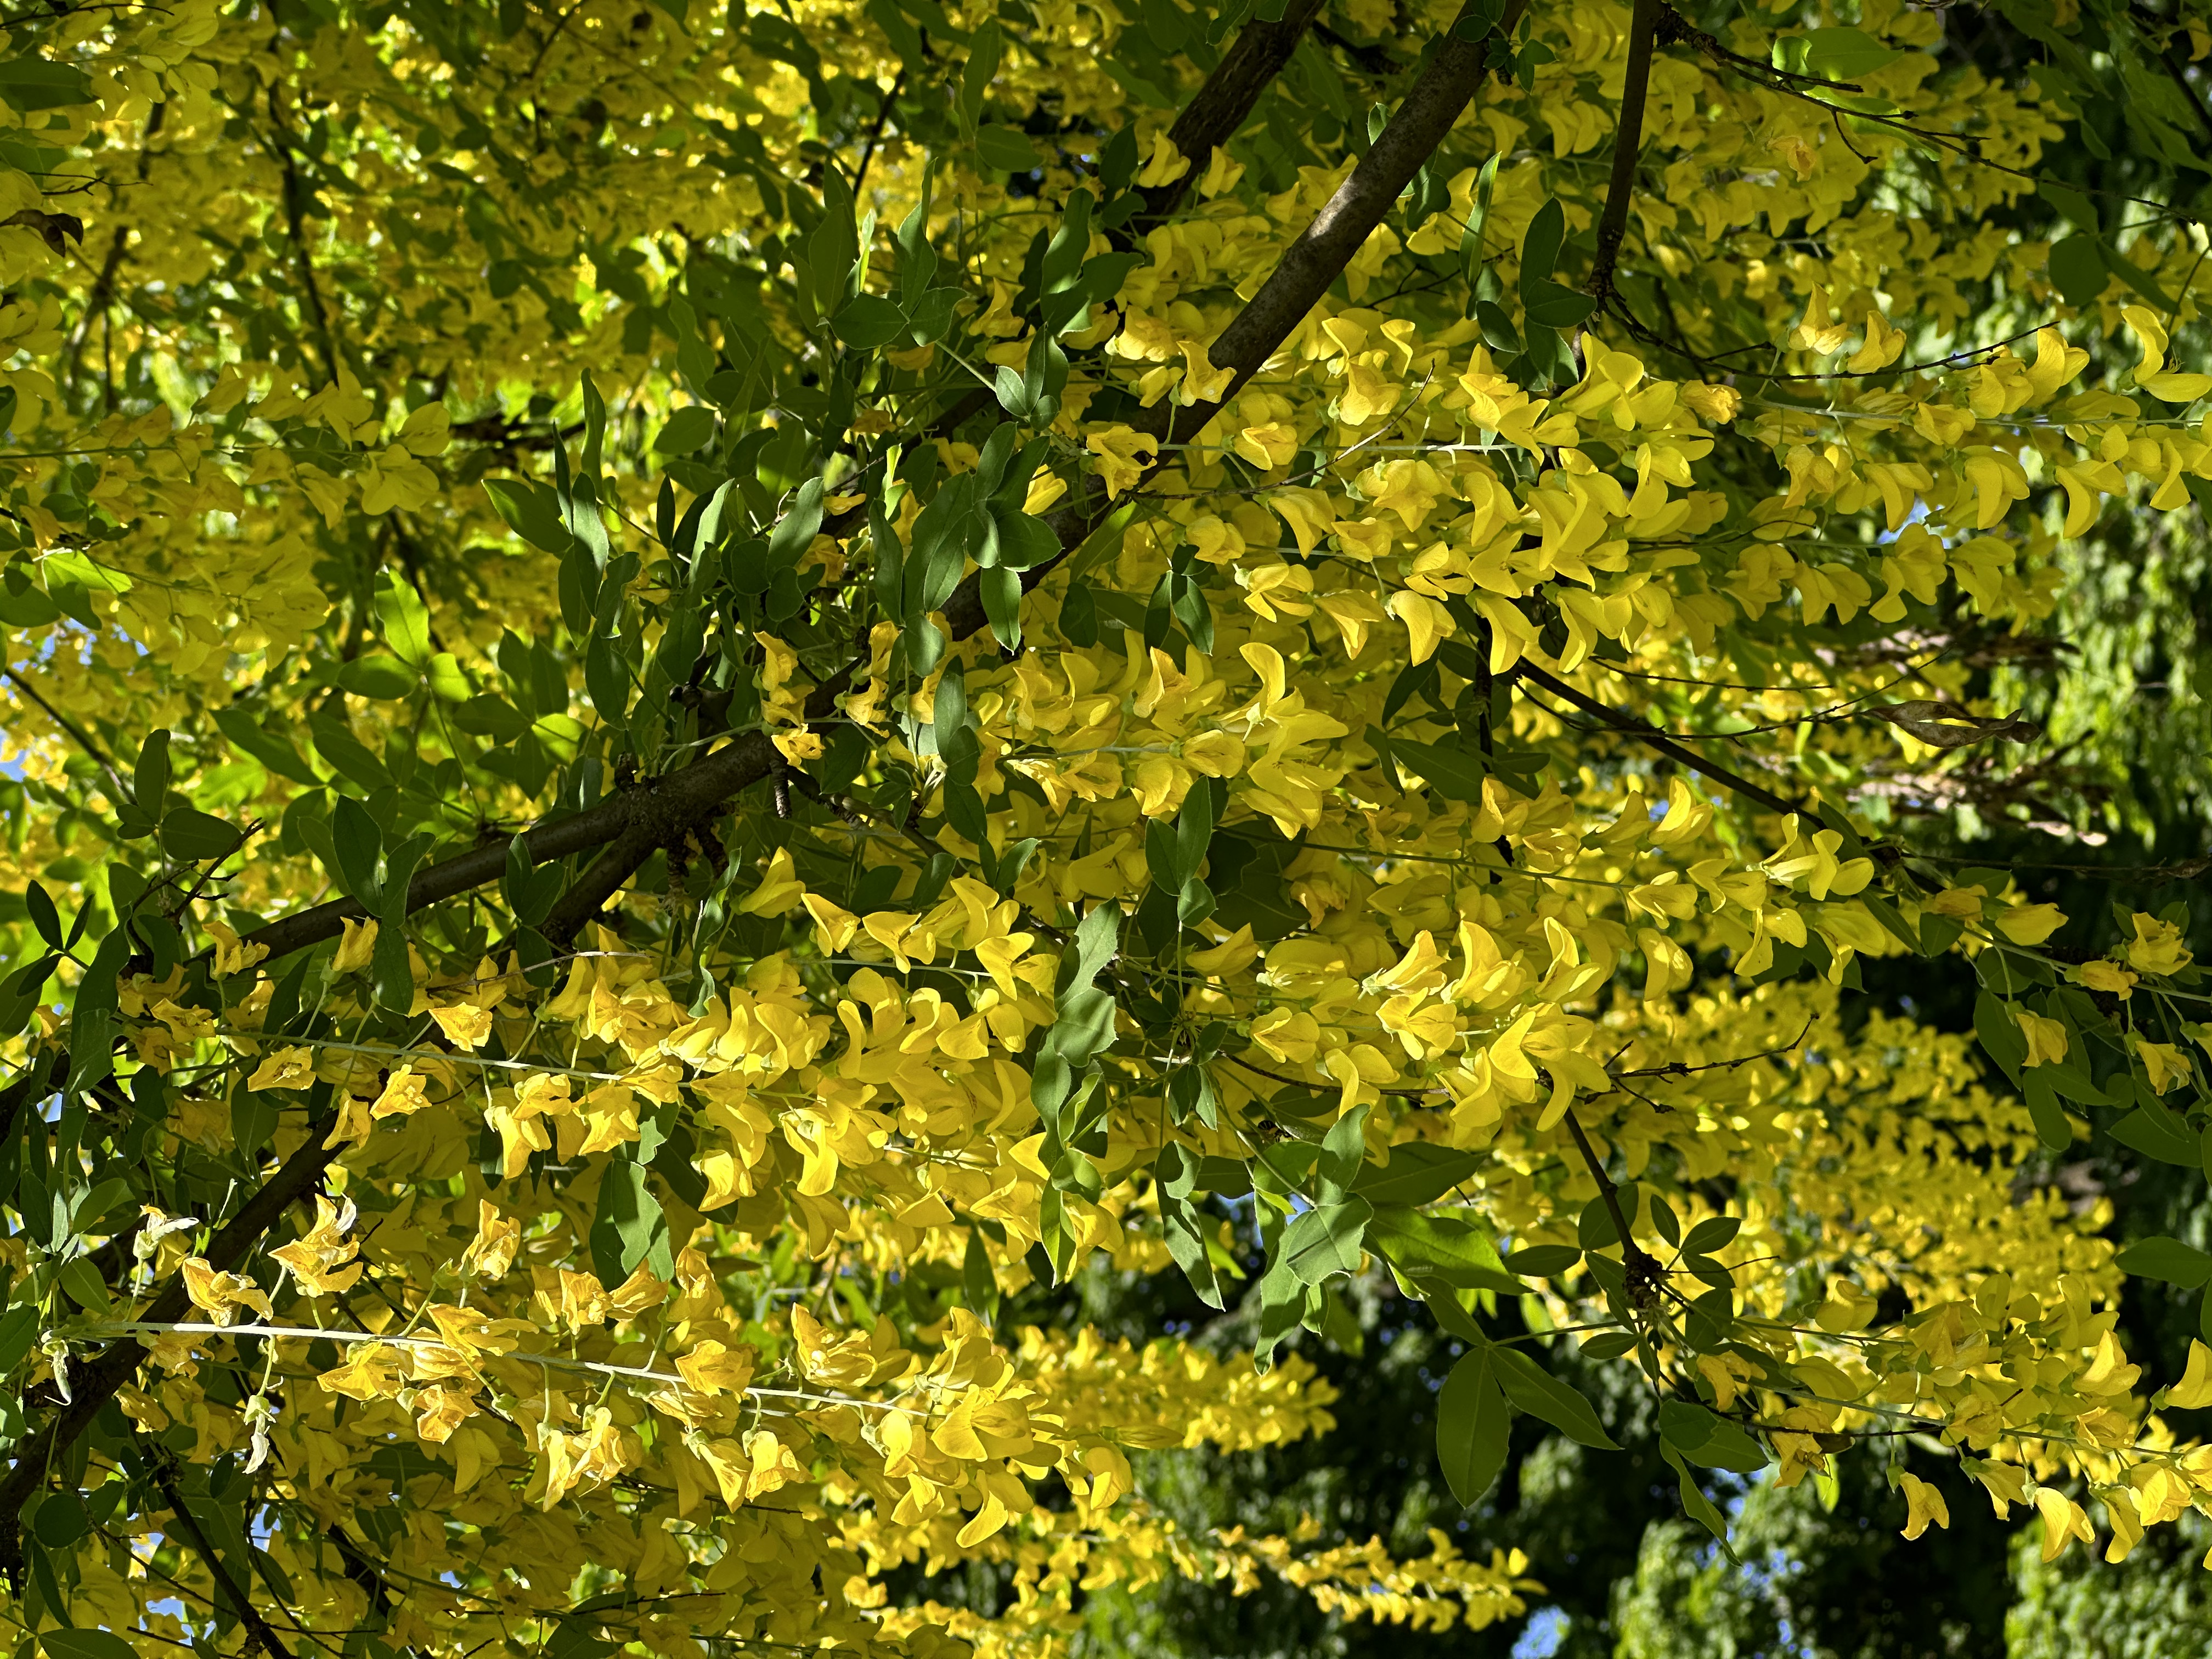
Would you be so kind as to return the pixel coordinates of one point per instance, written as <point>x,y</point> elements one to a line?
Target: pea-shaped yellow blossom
<point>1923,1502</point>
<point>1124,456</point>
<point>2157,946</point>
<point>2047,1038</point>
<point>2031,924</point>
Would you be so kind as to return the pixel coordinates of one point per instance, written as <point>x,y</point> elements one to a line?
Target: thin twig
<point>84,739</point>
<point>257,1628</point>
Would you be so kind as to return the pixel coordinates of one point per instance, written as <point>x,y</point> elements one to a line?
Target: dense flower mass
<point>698,697</point>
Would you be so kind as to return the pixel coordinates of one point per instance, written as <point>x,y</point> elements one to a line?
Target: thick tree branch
<point>1318,257</point>
<point>1627,148</point>
<point>1210,120</point>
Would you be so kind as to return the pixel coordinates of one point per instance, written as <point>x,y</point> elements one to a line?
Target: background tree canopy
<point>1047,827</point>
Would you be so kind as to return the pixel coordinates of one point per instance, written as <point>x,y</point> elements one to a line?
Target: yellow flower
<point>492,1251</point>
<point>2194,1391</point>
<point>2166,1064</point>
<point>715,1368</point>
<point>403,1096</point>
<point>321,1259</point>
<point>2062,1523</point>
<point>2157,946</point>
<point>1125,455</point>
<point>371,1371</point>
<point>2106,977</point>
<point>2047,1038</point>
<point>779,891</point>
<point>2152,374</point>
<point>1960,903</point>
<point>286,1068</point>
<point>466,1025</point>
<point>1268,446</point>
<point>1202,383</point>
<point>2031,924</point>
<point>1166,164</point>
<point>356,950</point>
<point>1922,1504</point>
<point>218,1294</point>
<point>231,955</point>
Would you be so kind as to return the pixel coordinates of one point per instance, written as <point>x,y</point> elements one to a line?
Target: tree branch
<point>652,814</point>
<point>97,1381</point>
<point>294,217</point>
<point>1212,116</point>
<point>633,825</point>
<point>84,739</point>
<point>1345,222</point>
<point>257,1628</point>
<point>1627,148</point>
<point>1629,725</point>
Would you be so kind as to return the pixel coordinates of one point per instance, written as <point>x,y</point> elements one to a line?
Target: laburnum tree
<point>699,696</point>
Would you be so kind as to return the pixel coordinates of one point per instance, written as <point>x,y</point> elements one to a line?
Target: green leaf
<point>2000,1034</point>
<point>448,683</point>
<point>1715,1232</point>
<point>1002,604</point>
<point>629,1227</point>
<point>1452,773</point>
<point>1554,305</point>
<point>1343,1152</point>
<point>531,510</point>
<point>391,972</point>
<point>1419,1172</point>
<point>796,532</point>
<point>1326,1241</point>
<point>1543,1261</point>
<point>274,753</point>
<point>1422,1246</point>
<point>151,779</point>
<point>983,49</point>
<point>19,1329</point>
<point>1024,540</point>
<point>2051,1128</point>
<point>689,429</point>
<point>85,1644</point>
<point>193,836</point>
<point>2168,1259</point>
<point>1007,149</point>
<point>382,679</point>
<point>868,321</point>
<point>2078,270</point>
<point>1700,1507</point>
<point>1538,1393</point>
<point>1706,1437</point>
<point>1183,1224</point>
<point>1472,1423</point>
<point>357,844</point>
<point>1540,246</point>
<point>406,621</point>
<point>29,83</point>
<point>44,917</point>
<point>1845,54</point>
<point>85,1286</point>
<point>2143,1132</point>
<point>491,717</point>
